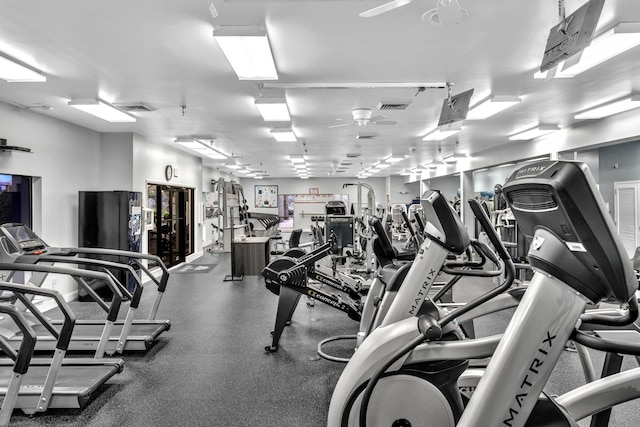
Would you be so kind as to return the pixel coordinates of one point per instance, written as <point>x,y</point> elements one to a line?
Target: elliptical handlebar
<point>405,217</point>
<point>469,263</point>
<point>602,344</point>
<point>470,268</point>
<point>509,268</point>
<point>591,319</point>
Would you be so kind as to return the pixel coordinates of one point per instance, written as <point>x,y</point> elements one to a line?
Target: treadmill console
<point>22,238</point>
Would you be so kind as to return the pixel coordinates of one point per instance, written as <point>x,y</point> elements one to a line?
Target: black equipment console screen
<point>27,240</point>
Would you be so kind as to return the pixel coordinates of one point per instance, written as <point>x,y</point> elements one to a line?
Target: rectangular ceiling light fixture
<point>490,106</point>
<point>625,104</point>
<point>201,148</point>
<point>394,159</point>
<point>296,159</point>
<point>616,40</point>
<point>283,135</point>
<point>273,109</point>
<point>443,132</point>
<point>248,51</point>
<point>452,158</point>
<point>535,132</point>
<point>13,71</point>
<point>102,110</point>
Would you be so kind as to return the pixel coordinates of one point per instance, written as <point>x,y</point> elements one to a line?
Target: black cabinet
<point>111,220</point>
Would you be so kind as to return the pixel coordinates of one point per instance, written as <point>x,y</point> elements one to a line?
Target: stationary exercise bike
<point>407,374</point>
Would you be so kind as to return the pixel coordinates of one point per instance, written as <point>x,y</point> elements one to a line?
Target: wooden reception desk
<point>251,255</point>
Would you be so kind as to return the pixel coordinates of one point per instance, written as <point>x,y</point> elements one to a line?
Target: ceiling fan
<point>446,11</point>
<point>363,117</point>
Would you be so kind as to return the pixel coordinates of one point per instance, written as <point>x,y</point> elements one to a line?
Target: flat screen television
<point>572,35</point>
<point>456,108</point>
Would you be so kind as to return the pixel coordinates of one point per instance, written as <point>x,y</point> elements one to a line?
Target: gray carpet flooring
<point>211,368</point>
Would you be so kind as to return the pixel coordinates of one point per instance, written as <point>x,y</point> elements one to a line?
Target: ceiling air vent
<point>353,155</point>
<point>366,136</point>
<point>135,107</point>
<point>393,105</point>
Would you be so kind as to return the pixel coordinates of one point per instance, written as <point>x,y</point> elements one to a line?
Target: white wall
<point>324,186</point>
<point>401,192</point>
<point>65,157</point>
<point>116,156</point>
<point>447,185</point>
<point>487,179</point>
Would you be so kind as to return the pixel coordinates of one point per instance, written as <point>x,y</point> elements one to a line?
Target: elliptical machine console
<point>558,207</point>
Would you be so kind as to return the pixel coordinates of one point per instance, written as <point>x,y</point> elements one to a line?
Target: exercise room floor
<point>211,368</point>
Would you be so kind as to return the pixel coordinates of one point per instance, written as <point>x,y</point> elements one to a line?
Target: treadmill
<point>38,384</point>
<point>21,359</point>
<point>20,246</point>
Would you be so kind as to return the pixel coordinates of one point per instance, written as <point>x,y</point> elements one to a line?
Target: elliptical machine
<point>411,281</point>
<point>577,257</point>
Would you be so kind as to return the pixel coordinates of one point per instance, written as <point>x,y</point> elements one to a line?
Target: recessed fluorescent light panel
<point>534,132</point>
<point>619,39</point>
<point>394,159</point>
<point>248,51</point>
<point>201,148</point>
<point>628,103</point>
<point>491,106</point>
<point>14,72</point>
<point>443,132</point>
<point>283,135</point>
<point>452,158</point>
<point>273,109</point>
<point>102,110</point>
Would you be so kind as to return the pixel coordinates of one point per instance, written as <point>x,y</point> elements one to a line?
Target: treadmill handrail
<point>22,360</point>
<point>86,261</point>
<point>137,293</point>
<point>22,357</point>
<point>69,317</point>
<point>116,302</point>
<point>162,283</point>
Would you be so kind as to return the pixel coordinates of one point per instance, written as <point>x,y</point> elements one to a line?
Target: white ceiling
<point>162,52</point>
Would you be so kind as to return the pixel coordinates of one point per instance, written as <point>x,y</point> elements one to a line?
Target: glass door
<point>171,239</point>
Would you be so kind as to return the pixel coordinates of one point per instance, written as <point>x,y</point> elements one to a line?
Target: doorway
<point>627,209</point>
<point>171,237</point>
<point>15,199</point>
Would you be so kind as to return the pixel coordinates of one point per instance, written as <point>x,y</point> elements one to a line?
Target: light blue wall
<point>618,163</point>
